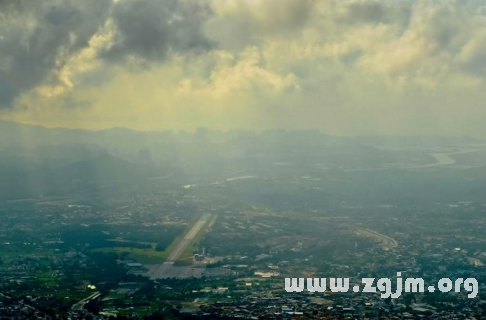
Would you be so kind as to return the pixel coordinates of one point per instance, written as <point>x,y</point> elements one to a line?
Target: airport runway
<point>167,269</point>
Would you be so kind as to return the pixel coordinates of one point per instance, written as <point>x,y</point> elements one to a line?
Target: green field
<point>150,256</point>
<point>144,256</point>
<point>16,251</point>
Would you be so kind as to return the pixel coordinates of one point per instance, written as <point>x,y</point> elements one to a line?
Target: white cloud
<point>350,66</point>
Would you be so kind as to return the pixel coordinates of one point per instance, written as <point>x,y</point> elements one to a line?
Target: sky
<point>345,67</point>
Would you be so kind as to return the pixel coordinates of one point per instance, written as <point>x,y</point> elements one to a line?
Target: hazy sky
<point>342,66</point>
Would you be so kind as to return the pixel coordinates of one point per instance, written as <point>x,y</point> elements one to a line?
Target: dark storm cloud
<point>36,38</point>
<point>150,29</point>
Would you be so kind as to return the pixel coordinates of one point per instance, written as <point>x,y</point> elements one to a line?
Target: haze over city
<point>211,159</point>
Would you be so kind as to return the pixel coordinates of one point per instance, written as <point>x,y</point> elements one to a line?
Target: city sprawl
<point>209,224</point>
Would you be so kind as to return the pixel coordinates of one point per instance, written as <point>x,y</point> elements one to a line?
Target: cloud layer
<point>150,29</point>
<point>37,38</point>
<point>343,66</point>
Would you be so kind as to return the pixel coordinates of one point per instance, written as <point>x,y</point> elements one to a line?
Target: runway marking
<point>160,270</point>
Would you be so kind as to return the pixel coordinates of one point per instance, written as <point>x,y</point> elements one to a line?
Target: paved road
<point>79,305</point>
<point>181,246</point>
<point>161,270</point>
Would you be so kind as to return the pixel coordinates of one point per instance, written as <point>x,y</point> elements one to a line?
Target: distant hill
<point>38,161</point>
